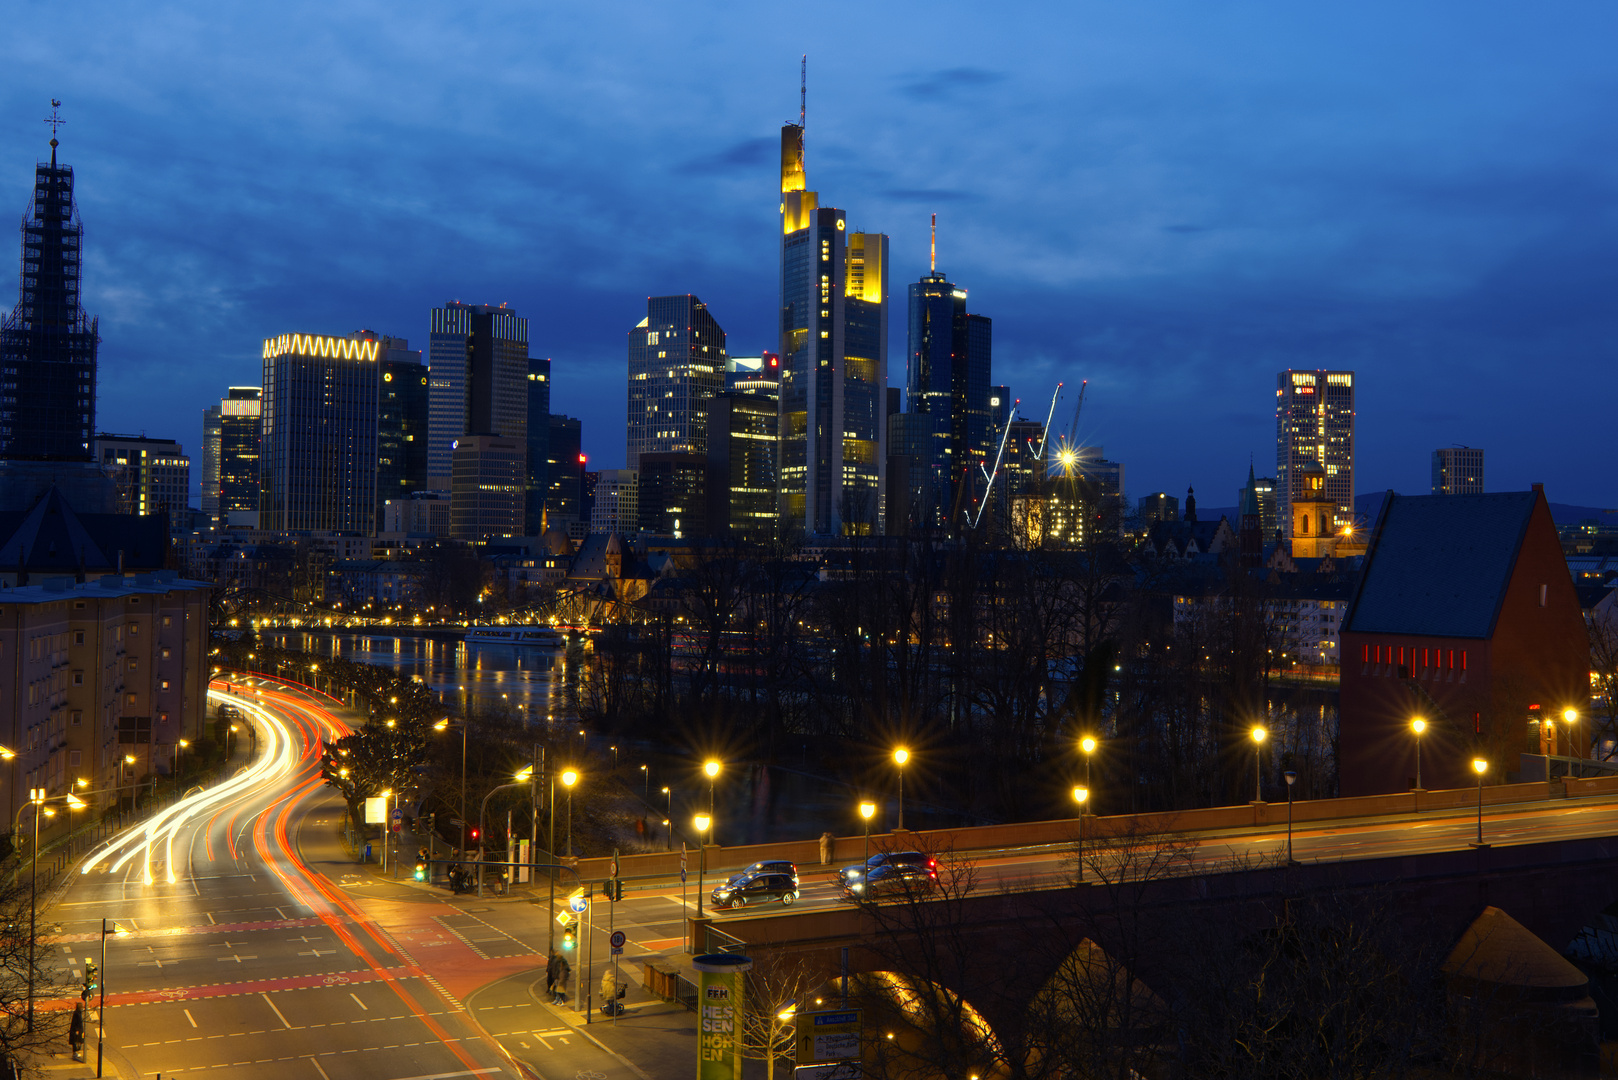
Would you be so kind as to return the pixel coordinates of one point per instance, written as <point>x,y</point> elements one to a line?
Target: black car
<point>893,878</point>
<point>850,874</point>
<point>745,889</point>
<point>769,866</point>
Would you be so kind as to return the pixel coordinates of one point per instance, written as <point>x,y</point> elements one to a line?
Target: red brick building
<point>1466,616</point>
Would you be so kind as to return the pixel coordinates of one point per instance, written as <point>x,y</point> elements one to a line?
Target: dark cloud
<point>746,154</point>
<point>951,81</point>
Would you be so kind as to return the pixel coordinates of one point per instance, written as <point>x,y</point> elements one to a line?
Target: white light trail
<point>278,759</point>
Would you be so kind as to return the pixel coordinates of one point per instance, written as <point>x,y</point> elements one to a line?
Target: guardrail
<point>847,849</point>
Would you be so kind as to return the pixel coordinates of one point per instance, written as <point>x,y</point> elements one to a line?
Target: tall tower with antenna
<point>834,357</point>
<point>48,344</point>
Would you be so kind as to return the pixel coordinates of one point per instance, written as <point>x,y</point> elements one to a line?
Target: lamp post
<point>569,778</point>
<point>1417,726</point>
<point>1081,795</point>
<point>711,769</point>
<point>1292,778</point>
<point>1570,717</point>
<point>1480,766</point>
<point>668,818</point>
<point>1259,735</point>
<point>703,823</point>
<point>646,782</point>
<point>1087,744</point>
<point>867,811</point>
<point>36,799</point>
<point>521,780</point>
<point>134,791</point>
<point>101,1009</point>
<point>900,756</point>
<point>443,725</point>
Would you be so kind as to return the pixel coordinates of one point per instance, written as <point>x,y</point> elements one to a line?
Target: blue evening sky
<point>1173,200</point>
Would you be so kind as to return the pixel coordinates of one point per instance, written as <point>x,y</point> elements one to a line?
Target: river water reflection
<point>526,681</point>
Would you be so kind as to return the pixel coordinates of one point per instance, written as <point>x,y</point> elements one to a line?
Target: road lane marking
<point>358,1002</point>
<point>276,1011</point>
<point>316,1063</point>
<point>189,1017</point>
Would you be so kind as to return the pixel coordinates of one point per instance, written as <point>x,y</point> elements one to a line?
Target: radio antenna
<point>803,89</point>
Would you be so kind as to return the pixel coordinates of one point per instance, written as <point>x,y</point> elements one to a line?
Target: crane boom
<point>1073,429</point>
<point>1045,432</point>
<point>1004,436</point>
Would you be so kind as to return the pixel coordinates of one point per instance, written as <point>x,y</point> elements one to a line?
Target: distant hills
<point>1367,506</point>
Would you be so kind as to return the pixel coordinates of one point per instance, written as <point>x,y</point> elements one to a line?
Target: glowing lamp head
<point>1259,734</point>
<point>901,755</point>
<point>526,774</point>
<point>711,767</point>
<point>1418,725</point>
<point>867,810</point>
<point>1480,766</point>
<point>1569,715</point>
<point>1088,744</point>
<point>442,725</point>
<point>1081,795</point>
<point>569,778</point>
<point>129,759</point>
<point>702,822</point>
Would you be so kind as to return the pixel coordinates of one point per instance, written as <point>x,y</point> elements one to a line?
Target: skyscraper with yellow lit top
<point>834,360</point>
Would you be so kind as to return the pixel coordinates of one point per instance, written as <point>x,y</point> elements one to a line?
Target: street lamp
<point>1292,778</point>
<point>646,779</point>
<point>1259,735</point>
<point>569,778</point>
<point>1480,766</point>
<point>668,818</point>
<point>900,756</point>
<point>521,780</point>
<point>36,799</point>
<point>1418,725</point>
<point>867,811</point>
<point>178,746</point>
<point>703,822</point>
<point>1081,795</point>
<point>1088,744</point>
<point>1570,717</point>
<point>101,1009</point>
<point>443,725</point>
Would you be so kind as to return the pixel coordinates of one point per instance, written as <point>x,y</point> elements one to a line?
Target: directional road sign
<point>578,903</point>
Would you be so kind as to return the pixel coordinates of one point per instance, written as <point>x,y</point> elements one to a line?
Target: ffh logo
<point>718,993</point>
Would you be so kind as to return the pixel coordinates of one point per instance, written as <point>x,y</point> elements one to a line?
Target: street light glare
<point>569,778</point>
<point>1480,766</point>
<point>1418,725</point>
<point>1569,715</point>
<point>1088,744</point>
<point>1081,795</point>
<point>702,822</point>
<point>711,767</point>
<point>867,810</point>
<point>1259,734</point>
<point>901,755</point>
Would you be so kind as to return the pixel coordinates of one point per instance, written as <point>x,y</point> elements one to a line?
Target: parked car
<point>893,878</point>
<point>745,889</point>
<point>850,874</point>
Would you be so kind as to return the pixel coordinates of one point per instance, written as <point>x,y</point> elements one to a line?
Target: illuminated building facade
<point>539,445</point>
<point>1314,423</point>
<point>616,507</point>
<point>241,436</point>
<point>673,495</point>
<point>401,422</point>
<point>834,361</point>
<point>488,488</point>
<point>319,450</point>
<point>743,447</point>
<point>153,475</point>
<point>211,422</point>
<point>676,365</point>
<point>1458,470</point>
<point>754,374</point>
<point>48,344</point>
<point>477,380</point>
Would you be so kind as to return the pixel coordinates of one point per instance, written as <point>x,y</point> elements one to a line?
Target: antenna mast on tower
<point>932,248</point>
<point>803,89</point>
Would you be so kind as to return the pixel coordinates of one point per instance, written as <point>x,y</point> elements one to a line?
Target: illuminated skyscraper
<point>241,438</point>
<point>211,427</point>
<point>1314,422</point>
<point>48,343</point>
<point>401,423</point>
<point>834,360</point>
<point>539,445</point>
<point>153,475</point>
<point>676,366</point>
<point>477,380</point>
<point>319,459</point>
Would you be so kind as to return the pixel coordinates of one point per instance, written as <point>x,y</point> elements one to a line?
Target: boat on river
<point>533,637</point>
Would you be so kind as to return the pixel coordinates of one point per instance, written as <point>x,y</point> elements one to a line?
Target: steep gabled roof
<point>1438,565</point>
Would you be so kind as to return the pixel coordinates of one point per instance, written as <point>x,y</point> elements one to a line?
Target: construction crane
<point>1069,453</point>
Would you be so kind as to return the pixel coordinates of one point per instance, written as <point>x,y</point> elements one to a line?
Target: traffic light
<point>615,889</point>
<point>91,978</point>
<point>421,871</point>
<point>472,834</point>
<point>568,940</point>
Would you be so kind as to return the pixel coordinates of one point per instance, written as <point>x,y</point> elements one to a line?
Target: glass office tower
<point>319,458</point>
<point>834,361</point>
<point>240,445</point>
<point>539,445</point>
<point>1314,423</point>
<point>401,423</point>
<point>477,380</point>
<point>211,423</point>
<point>48,344</point>
<point>677,364</point>
<point>948,384</point>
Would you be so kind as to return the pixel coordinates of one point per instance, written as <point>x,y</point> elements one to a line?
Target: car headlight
<point>858,887</point>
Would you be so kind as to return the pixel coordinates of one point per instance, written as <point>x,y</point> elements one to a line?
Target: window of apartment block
<point>75,758</point>
<point>134,628</point>
<point>77,717</point>
<point>168,620</point>
<point>165,654</point>
<point>78,637</point>
<point>78,678</point>
<point>165,684</point>
<point>129,699</point>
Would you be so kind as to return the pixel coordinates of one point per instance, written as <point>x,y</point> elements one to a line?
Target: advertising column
<point>719,1015</point>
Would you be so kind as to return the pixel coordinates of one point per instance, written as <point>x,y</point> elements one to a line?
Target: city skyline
<point>1174,209</point>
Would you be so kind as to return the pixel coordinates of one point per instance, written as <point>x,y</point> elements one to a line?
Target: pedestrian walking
<point>550,975</point>
<point>75,1032</point>
<point>563,970</point>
